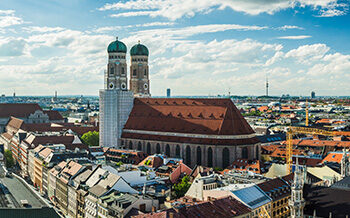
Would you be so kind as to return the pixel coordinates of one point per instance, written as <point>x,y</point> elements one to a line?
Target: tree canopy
<point>182,187</point>
<point>9,159</point>
<point>91,138</point>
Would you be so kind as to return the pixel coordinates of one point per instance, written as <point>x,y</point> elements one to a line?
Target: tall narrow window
<point>112,71</point>
<point>123,73</point>
<point>145,73</point>
<point>134,72</point>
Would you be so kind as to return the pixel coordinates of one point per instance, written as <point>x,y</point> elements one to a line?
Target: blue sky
<point>197,47</point>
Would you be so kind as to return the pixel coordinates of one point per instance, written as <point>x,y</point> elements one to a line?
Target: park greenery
<point>180,189</point>
<point>9,159</point>
<point>91,138</point>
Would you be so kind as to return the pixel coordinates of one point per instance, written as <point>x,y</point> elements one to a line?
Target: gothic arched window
<point>134,72</point>
<point>123,73</point>
<point>145,73</point>
<point>112,71</point>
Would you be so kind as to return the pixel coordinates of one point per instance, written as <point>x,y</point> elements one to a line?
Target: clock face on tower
<point>111,85</point>
<point>145,86</point>
<point>123,86</point>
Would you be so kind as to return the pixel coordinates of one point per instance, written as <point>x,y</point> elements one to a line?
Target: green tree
<point>91,138</point>
<point>9,159</point>
<point>182,187</point>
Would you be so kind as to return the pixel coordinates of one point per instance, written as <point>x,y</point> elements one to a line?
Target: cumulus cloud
<point>8,18</point>
<point>187,8</point>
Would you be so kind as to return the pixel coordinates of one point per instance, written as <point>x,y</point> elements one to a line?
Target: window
<point>145,73</point>
<point>123,72</point>
<point>112,71</point>
<point>134,72</point>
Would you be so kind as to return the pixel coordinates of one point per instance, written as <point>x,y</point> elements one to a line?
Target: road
<point>20,192</point>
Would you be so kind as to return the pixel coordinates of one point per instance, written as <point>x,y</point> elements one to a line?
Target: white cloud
<point>116,28</point>
<point>44,29</point>
<point>288,27</point>
<point>188,8</point>
<point>308,53</point>
<point>294,37</point>
<point>8,18</point>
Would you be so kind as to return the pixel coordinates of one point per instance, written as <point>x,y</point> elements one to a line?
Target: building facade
<point>115,99</point>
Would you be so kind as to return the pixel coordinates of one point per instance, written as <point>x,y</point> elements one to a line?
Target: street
<point>20,192</point>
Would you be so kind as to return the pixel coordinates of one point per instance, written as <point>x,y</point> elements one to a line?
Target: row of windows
<point>281,202</point>
<point>112,71</point>
<point>116,56</point>
<point>139,59</point>
<point>134,73</point>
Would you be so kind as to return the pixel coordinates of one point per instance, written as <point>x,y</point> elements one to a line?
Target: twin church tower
<point>116,74</point>
<point>116,99</point>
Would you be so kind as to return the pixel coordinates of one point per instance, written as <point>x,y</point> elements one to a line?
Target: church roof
<point>139,49</point>
<point>117,46</point>
<point>19,110</point>
<point>213,117</point>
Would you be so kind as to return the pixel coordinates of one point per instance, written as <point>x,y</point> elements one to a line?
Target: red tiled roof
<point>184,115</point>
<point>7,135</point>
<point>224,207</point>
<point>54,115</point>
<point>153,161</point>
<point>333,157</point>
<point>52,140</point>
<point>19,110</point>
<point>49,127</point>
<point>247,165</point>
<point>310,162</point>
<point>15,123</point>
<point>281,152</point>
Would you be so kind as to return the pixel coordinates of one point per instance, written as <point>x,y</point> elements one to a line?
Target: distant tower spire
<point>267,86</point>
<point>344,165</point>
<point>297,202</point>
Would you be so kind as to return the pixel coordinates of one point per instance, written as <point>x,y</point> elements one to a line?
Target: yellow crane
<point>306,114</point>
<point>293,130</point>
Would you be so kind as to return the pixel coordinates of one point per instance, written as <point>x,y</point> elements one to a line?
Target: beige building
<point>139,70</point>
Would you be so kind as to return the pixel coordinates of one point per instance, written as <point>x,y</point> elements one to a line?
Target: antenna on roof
<point>116,38</point>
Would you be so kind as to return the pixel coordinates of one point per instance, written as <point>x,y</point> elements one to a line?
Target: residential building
<point>279,191</point>
<point>121,205</point>
<point>63,179</point>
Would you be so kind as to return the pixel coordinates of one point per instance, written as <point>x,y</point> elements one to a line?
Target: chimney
<point>142,208</point>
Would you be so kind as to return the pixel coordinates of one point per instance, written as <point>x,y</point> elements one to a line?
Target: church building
<point>209,132</point>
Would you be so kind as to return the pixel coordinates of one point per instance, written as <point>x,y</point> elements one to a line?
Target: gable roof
<point>53,115</point>
<point>276,188</point>
<point>19,110</point>
<point>216,117</point>
<point>185,115</point>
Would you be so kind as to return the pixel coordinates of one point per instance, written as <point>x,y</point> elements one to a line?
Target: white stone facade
<point>115,107</point>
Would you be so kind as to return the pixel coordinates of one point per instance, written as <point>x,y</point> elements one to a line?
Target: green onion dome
<point>139,49</point>
<point>117,46</point>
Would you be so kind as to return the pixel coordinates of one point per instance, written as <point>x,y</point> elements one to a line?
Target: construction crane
<point>293,130</point>
<point>306,114</point>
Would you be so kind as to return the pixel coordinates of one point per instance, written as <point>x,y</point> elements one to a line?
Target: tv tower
<point>267,86</point>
